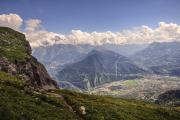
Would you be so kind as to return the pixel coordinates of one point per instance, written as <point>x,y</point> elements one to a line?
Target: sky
<point>96,22</point>
<point>62,16</point>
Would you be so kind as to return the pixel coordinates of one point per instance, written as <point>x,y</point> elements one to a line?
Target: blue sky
<point>94,15</point>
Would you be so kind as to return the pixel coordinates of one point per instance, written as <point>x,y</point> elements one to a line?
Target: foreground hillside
<point>18,102</point>
<point>28,93</point>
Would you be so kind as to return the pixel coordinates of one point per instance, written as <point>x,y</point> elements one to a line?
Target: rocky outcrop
<point>29,69</point>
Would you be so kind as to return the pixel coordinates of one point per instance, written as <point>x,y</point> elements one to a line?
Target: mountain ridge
<point>97,67</point>
<point>161,58</point>
<point>56,56</point>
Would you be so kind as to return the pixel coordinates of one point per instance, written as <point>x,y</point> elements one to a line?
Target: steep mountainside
<point>98,67</point>
<point>16,59</point>
<point>161,58</point>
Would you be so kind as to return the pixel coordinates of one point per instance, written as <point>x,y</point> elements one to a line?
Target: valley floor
<point>146,88</point>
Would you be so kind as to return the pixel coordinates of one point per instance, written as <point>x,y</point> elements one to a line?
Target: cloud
<point>165,32</point>
<point>37,36</point>
<point>32,25</point>
<point>11,20</point>
<point>44,38</point>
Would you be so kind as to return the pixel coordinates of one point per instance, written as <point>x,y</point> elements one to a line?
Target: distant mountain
<point>125,49</point>
<point>61,53</point>
<point>161,58</point>
<point>68,53</point>
<point>98,67</point>
<point>56,56</point>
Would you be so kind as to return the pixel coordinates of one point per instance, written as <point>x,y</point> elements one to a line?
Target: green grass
<point>130,83</point>
<point>18,103</point>
<point>13,45</point>
<point>108,108</point>
<point>7,79</point>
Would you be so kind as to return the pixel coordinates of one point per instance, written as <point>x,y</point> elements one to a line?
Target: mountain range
<point>98,67</point>
<point>161,58</point>
<point>155,58</point>
<point>56,56</point>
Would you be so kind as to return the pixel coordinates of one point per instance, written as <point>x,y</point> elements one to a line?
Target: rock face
<point>16,59</point>
<point>99,67</point>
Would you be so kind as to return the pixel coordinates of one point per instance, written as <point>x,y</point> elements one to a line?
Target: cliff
<point>16,59</point>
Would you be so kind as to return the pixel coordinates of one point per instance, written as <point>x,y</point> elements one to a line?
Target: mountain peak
<point>99,67</point>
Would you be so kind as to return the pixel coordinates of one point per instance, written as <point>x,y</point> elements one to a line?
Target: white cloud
<point>11,20</point>
<point>37,36</point>
<point>43,38</point>
<point>165,32</point>
<point>32,25</point>
<point>40,37</point>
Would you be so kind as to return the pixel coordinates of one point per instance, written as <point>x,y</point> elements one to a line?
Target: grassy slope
<point>19,103</point>
<point>12,45</point>
<point>108,108</point>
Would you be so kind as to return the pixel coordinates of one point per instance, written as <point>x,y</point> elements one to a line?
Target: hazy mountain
<point>68,53</point>
<point>61,53</point>
<point>98,67</point>
<point>56,56</point>
<point>161,58</point>
<point>125,49</point>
